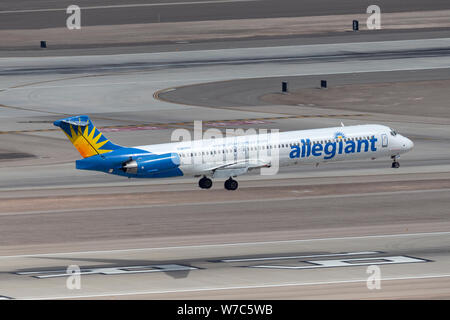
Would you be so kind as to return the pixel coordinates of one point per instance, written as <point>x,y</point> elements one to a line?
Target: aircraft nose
<point>408,144</point>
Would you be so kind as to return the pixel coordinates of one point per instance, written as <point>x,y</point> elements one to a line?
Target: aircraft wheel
<point>205,183</point>
<point>231,184</point>
<point>395,164</point>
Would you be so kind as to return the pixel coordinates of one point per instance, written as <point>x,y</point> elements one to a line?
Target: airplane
<point>231,156</point>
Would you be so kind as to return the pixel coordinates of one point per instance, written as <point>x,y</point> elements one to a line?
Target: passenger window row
<point>273,146</point>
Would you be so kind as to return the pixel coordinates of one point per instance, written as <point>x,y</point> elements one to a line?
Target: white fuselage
<point>204,157</point>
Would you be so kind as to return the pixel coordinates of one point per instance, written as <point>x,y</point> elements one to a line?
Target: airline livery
<point>231,156</point>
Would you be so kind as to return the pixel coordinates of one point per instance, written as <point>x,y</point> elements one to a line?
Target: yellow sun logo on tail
<point>85,137</point>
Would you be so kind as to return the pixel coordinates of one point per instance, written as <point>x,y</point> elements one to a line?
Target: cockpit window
<point>393,133</point>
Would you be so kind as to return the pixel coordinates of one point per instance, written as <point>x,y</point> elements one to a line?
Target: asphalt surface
<point>279,205</point>
<point>218,44</point>
<point>438,48</point>
<point>245,92</point>
<point>331,267</point>
<point>46,14</point>
<point>169,239</point>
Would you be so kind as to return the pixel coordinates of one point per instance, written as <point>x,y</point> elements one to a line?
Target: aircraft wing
<point>236,168</point>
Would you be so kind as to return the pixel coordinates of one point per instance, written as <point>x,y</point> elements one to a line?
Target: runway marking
<point>400,235</point>
<point>300,257</point>
<point>316,264</point>
<point>239,122</point>
<point>111,294</point>
<point>133,128</point>
<point>150,65</point>
<point>131,69</point>
<point>159,205</point>
<point>44,274</point>
<point>162,126</point>
<point>137,5</point>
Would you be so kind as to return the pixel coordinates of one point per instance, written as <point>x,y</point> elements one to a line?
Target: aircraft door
<point>246,151</point>
<point>384,140</point>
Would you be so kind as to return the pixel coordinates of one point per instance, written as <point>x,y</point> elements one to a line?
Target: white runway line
<point>240,287</point>
<point>400,235</point>
<point>445,64</point>
<point>353,262</point>
<point>232,55</point>
<point>137,5</point>
<point>301,257</point>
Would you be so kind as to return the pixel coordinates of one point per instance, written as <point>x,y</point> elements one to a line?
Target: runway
<point>307,233</point>
<point>306,268</point>
<point>134,241</point>
<point>151,212</point>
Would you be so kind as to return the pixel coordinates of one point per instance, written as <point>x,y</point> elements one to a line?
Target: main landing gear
<point>231,184</point>
<point>205,183</point>
<point>395,163</point>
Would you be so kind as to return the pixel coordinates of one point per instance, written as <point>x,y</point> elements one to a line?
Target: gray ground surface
<point>242,270</point>
<point>394,97</point>
<point>107,14</point>
<point>306,90</point>
<point>286,40</point>
<point>52,215</point>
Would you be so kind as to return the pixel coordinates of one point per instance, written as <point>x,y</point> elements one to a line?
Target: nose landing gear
<point>395,163</point>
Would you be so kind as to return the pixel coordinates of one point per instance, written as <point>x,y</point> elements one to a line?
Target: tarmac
<point>307,233</point>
